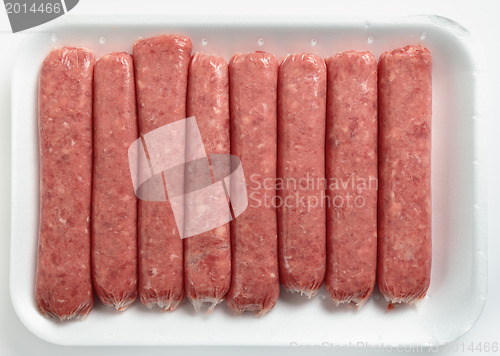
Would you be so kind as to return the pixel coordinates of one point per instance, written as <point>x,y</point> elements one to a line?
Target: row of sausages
<point>340,124</point>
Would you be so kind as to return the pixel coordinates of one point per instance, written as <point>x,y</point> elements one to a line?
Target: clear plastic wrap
<point>253,90</point>
<point>63,276</point>
<point>405,219</point>
<point>161,68</point>
<point>114,204</point>
<point>207,256</point>
<point>301,172</point>
<point>458,289</point>
<point>351,172</point>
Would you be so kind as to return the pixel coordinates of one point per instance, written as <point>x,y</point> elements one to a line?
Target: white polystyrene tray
<point>459,273</point>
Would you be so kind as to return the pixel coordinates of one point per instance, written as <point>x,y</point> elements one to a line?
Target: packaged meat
<point>161,72</point>
<point>63,275</point>
<point>458,287</point>
<point>301,172</point>
<point>207,256</point>
<point>404,206</point>
<point>114,204</point>
<point>351,171</point>
<point>254,246</point>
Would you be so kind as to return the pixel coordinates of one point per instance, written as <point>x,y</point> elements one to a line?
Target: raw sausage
<point>207,256</point>
<point>114,204</point>
<point>254,246</point>
<point>63,277</point>
<point>351,170</point>
<point>405,109</point>
<point>301,172</point>
<point>161,71</point>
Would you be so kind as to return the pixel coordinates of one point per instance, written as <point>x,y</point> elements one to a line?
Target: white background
<point>481,17</point>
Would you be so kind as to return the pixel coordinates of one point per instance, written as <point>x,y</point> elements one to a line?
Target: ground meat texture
<point>301,172</point>
<point>63,277</point>
<point>253,93</point>
<point>404,212</point>
<point>161,72</point>
<point>351,170</point>
<point>207,256</point>
<point>114,204</point>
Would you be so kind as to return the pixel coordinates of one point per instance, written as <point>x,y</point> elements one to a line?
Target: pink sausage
<point>161,72</point>
<point>114,204</point>
<point>351,170</point>
<point>207,256</point>
<point>405,110</point>
<point>63,277</point>
<point>253,91</point>
<point>301,158</point>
